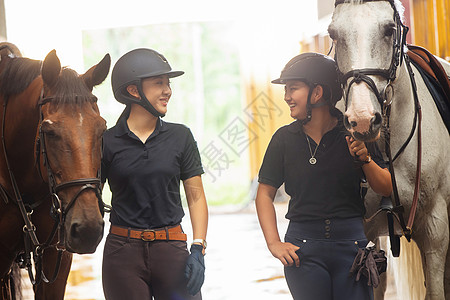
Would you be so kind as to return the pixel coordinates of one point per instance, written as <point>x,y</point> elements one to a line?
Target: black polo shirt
<point>144,178</point>
<point>328,189</point>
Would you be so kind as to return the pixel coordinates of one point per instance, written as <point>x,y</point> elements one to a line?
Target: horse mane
<point>70,88</point>
<point>17,74</point>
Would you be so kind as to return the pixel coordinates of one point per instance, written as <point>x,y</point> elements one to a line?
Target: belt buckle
<point>145,239</point>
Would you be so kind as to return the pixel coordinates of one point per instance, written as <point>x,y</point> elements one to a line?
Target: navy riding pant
<point>327,251</point>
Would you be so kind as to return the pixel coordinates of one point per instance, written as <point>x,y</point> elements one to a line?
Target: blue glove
<point>195,269</point>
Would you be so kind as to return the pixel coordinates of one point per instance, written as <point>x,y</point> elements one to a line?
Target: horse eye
<point>389,30</point>
<point>48,130</point>
<point>50,133</point>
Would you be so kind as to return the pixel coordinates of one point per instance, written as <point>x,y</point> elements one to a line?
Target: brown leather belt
<point>149,235</point>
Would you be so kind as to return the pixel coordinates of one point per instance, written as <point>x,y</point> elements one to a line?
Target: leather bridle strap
<point>361,75</point>
<point>412,213</point>
<point>86,183</point>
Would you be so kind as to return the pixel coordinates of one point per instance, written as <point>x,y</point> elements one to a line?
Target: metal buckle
<point>145,239</point>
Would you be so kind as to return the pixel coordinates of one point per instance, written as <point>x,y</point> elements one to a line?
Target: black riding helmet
<point>313,69</point>
<point>134,66</point>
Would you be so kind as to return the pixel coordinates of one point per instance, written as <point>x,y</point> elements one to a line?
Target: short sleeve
<point>191,163</point>
<point>272,168</point>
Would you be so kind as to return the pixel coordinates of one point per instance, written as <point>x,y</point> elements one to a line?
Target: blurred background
<point>230,50</point>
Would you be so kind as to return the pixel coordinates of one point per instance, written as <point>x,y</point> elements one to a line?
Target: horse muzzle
<point>364,129</point>
<point>82,237</point>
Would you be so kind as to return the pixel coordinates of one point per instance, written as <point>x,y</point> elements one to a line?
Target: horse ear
<point>51,68</point>
<point>97,74</point>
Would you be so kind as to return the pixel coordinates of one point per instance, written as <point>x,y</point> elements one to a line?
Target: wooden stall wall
<point>430,26</point>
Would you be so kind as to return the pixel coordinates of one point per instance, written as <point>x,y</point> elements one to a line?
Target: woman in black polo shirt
<point>315,159</point>
<point>144,159</point>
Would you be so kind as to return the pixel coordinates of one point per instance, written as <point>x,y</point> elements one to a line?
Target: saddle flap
<point>431,65</point>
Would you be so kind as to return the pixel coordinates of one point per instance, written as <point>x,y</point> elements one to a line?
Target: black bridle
<point>390,74</point>
<point>58,211</point>
<point>358,75</point>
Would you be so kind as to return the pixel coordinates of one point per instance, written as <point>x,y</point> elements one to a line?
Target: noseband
<point>389,74</point>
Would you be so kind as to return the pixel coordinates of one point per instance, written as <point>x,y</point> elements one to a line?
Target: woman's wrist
<point>367,159</point>
<point>201,242</point>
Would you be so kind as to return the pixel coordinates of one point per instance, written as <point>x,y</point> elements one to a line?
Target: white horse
<point>364,33</point>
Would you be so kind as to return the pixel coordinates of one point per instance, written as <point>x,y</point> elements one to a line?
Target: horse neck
<point>21,122</point>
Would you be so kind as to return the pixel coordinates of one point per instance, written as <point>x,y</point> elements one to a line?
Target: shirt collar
<point>122,126</point>
<point>296,126</point>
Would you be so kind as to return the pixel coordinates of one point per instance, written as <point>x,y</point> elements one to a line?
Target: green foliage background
<point>220,68</point>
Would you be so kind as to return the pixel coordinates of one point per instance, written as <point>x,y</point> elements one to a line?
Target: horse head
<point>368,38</point>
<point>70,140</point>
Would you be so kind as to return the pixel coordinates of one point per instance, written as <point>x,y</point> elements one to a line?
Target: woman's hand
<point>357,148</point>
<point>378,178</point>
<point>285,252</point>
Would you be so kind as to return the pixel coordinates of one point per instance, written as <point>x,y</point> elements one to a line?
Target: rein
<point>58,211</point>
<point>389,74</point>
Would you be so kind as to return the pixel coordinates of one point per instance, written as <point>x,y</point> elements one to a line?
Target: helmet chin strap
<point>310,106</point>
<point>146,104</point>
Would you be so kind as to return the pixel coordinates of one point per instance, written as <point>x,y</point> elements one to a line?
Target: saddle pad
<point>435,78</point>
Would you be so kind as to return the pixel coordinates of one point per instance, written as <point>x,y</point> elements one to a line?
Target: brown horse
<point>50,157</point>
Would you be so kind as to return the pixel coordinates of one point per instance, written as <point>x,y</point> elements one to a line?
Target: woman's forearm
<point>378,178</point>
<point>198,208</point>
<point>266,213</point>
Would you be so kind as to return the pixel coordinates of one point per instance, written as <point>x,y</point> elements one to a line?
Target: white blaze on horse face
<point>48,121</point>
<point>360,109</point>
<point>81,119</point>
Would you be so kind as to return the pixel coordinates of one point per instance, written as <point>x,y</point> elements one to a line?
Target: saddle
<point>437,81</point>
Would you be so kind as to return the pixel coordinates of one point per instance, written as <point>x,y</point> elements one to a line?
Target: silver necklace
<point>312,160</point>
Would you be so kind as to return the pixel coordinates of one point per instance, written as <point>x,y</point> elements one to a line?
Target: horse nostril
<point>74,232</point>
<point>347,122</point>
<point>376,120</point>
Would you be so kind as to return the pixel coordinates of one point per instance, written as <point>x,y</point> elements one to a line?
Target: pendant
<point>313,160</point>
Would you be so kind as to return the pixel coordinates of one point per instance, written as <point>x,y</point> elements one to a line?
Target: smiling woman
<point>144,160</point>
<point>325,224</point>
